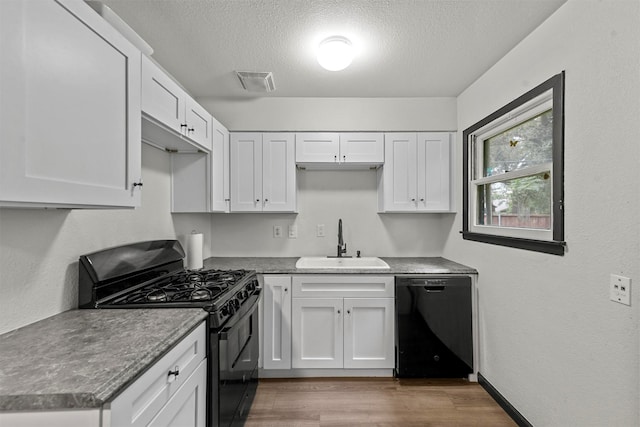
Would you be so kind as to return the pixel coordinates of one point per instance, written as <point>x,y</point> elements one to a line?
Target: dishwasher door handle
<point>434,288</point>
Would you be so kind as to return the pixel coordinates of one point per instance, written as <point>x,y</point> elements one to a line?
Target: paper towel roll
<point>194,251</point>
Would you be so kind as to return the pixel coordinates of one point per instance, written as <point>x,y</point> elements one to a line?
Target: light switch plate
<point>620,289</point>
<point>293,232</point>
<point>320,230</point>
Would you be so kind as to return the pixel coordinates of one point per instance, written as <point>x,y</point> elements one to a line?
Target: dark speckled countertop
<point>82,358</point>
<point>398,266</point>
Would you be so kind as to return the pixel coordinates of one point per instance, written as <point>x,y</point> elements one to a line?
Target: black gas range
<point>151,274</point>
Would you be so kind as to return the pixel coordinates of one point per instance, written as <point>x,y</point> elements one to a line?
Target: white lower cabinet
<point>368,333</point>
<point>276,352</point>
<point>172,392</point>
<point>187,406</point>
<point>317,333</point>
<point>342,322</point>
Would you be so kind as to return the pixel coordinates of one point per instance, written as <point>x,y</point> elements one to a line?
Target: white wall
<point>334,114</point>
<point>552,342</point>
<point>326,196</point>
<point>39,248</point>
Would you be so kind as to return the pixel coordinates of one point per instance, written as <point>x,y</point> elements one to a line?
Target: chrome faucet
<point>342,246</point>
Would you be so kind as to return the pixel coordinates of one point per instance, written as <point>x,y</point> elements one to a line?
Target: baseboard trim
<point>504,403</point>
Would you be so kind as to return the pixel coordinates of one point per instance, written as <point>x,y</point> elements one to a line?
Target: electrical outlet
<point>293,232</point>
<point>320,230</point>
<point>277,231</point>
<point>620,289</point>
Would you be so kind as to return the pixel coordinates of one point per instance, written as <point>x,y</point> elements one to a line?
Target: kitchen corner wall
<point>326,196</point>
<point>39,248</point>
<point>551,341</point>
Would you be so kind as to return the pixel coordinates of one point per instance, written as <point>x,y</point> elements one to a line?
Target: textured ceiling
<point>405,48</point>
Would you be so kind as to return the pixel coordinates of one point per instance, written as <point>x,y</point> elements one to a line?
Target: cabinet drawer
<point>139,403</point>
<point>330,285</point>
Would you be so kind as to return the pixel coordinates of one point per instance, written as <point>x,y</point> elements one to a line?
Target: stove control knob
<point>251,287</point>
<point>229,309</point>
<point>235,304</point>
<point>242,295</point>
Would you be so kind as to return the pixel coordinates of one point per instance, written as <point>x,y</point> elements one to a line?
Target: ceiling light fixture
<point>335,53</point>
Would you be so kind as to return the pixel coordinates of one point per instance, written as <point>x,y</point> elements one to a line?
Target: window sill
<point>548,247</point>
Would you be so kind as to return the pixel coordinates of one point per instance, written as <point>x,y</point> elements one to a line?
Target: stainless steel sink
<point>364,263</point>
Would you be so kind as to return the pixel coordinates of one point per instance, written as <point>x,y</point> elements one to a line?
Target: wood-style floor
<point>374,402</point>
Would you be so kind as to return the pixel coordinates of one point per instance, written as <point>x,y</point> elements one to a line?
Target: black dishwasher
<point>433,327</point>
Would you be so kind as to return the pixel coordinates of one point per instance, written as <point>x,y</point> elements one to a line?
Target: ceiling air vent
<point>256,81</point>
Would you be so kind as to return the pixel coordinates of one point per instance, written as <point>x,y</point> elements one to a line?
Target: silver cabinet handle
<point>338,311</point>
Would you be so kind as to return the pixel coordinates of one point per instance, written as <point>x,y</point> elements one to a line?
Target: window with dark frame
<point>513,175</point>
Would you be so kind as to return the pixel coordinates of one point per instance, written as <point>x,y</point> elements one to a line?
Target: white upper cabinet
<point>190,182</point>
<point>416,174</point>
<point>69,110</point>
<point>360,147</point>
<point>200,181</point>
<point>263,172</point>
<point>220,198</point>
<point>317,149</point>
<point>434,162</point>
<point>173,120</point>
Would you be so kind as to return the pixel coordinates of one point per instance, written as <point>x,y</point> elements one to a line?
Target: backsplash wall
<point>323,198</point>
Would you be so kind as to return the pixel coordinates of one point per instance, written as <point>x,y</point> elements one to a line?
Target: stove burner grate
<point>186,286</point>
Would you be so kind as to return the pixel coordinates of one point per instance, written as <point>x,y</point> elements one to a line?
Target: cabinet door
<point>70,108</point>
<point>220,168</point>
<point>187,407</point>
<point>362,148</point>
<point>162,98</point>
<point>277,322</point>
<point>143,400</point>
<point>400,172</point>
<point>317,333</point>
<point>433,171</point>
<point>317,147</point>
<point>369,333</point>
<point>246,172</point>
<point>278,173</point>
<point>199,125</point>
